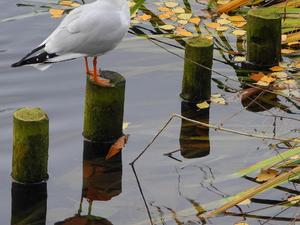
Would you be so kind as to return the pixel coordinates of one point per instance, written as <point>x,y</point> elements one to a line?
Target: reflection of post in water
<point>194,138</point>
<point>29,203</point>
<point>102,179</point>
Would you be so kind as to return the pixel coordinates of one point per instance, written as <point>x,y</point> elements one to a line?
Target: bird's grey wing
<point>72,16</point>
<point>73,34</point>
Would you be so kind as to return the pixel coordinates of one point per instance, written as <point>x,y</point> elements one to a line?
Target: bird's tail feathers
<point>36,57</point>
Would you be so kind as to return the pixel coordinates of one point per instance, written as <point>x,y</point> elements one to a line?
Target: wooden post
<point>196,79</point>
<point>263,37</point>
<point>194,139</point>
<point>30,145</point>
<point>104,108</point>
<point>28,203</point>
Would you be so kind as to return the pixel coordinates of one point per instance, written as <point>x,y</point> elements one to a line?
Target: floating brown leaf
<point>256,76</point>
<point>276,68</point>
<point>266,175</point>
<point>144,17</point>
<point>117,146</point>
<point>164,9</point>
<point>213,25</point>
<point>195,20</point>
<point>183,32</point>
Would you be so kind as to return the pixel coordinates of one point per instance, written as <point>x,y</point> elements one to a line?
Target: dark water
<point>153,79</point>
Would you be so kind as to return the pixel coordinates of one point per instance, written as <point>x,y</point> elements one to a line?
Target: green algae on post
<point>196,81</point>
<point>104,108</point>
<point>264,37</point>
<point>30,145</point>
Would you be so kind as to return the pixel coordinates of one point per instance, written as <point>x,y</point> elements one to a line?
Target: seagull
<point>90,30</point>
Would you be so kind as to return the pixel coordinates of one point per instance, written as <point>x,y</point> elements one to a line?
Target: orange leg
<point>95,74</point>
<point>87,70</point>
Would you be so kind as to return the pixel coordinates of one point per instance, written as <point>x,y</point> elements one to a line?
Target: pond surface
<point>172,187</point>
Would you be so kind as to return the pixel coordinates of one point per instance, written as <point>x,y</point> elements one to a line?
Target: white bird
<point>87,31</point>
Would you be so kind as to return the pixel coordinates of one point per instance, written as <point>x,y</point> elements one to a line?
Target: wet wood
<point>263,37</point>
<point>104,109</point>
<point>30,145</point>
<point>196,81</point>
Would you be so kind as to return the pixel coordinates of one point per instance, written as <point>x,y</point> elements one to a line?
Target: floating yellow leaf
<point>297,65</point>
<point>178,10</point>
<point>56,13</point>
<point>218,100</point>
<point>212,25</point>
<point>240,59</point>
<point>117,147</point>
<point>223,21</point>
<point>65,3</point>
<point>173,18</point>
<point>287,51</point>
<point>195,20</point>
<point>125,125</point>
<point>266,175</point>
<point>164,9</point>
<point>184,16</point>
<point>183,32</point>
<point>203,105</point>
<point>245,202</point>
<point>222,28</point>
<point>241,223</point>
<point>182,22</point>
<point>239,32</point>
<point>276,68</point>
<point>224,16</point>
<point>237,18</point>
<point>239,24</point>
<point>279,74</point>
<point>167,27</point>
<point>144,17</point>
<point>171,4</point>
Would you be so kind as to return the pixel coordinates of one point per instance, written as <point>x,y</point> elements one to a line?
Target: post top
<point>199,41</point>
<point>30,114</point>
<point>265,13</point>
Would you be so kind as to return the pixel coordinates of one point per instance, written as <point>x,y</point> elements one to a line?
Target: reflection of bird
<point>89,30</point>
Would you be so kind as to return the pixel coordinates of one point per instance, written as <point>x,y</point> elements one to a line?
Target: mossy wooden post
<point>196,79</point>
<point>263,37</point>
<point>30,145</point>
<point>104,108</point>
